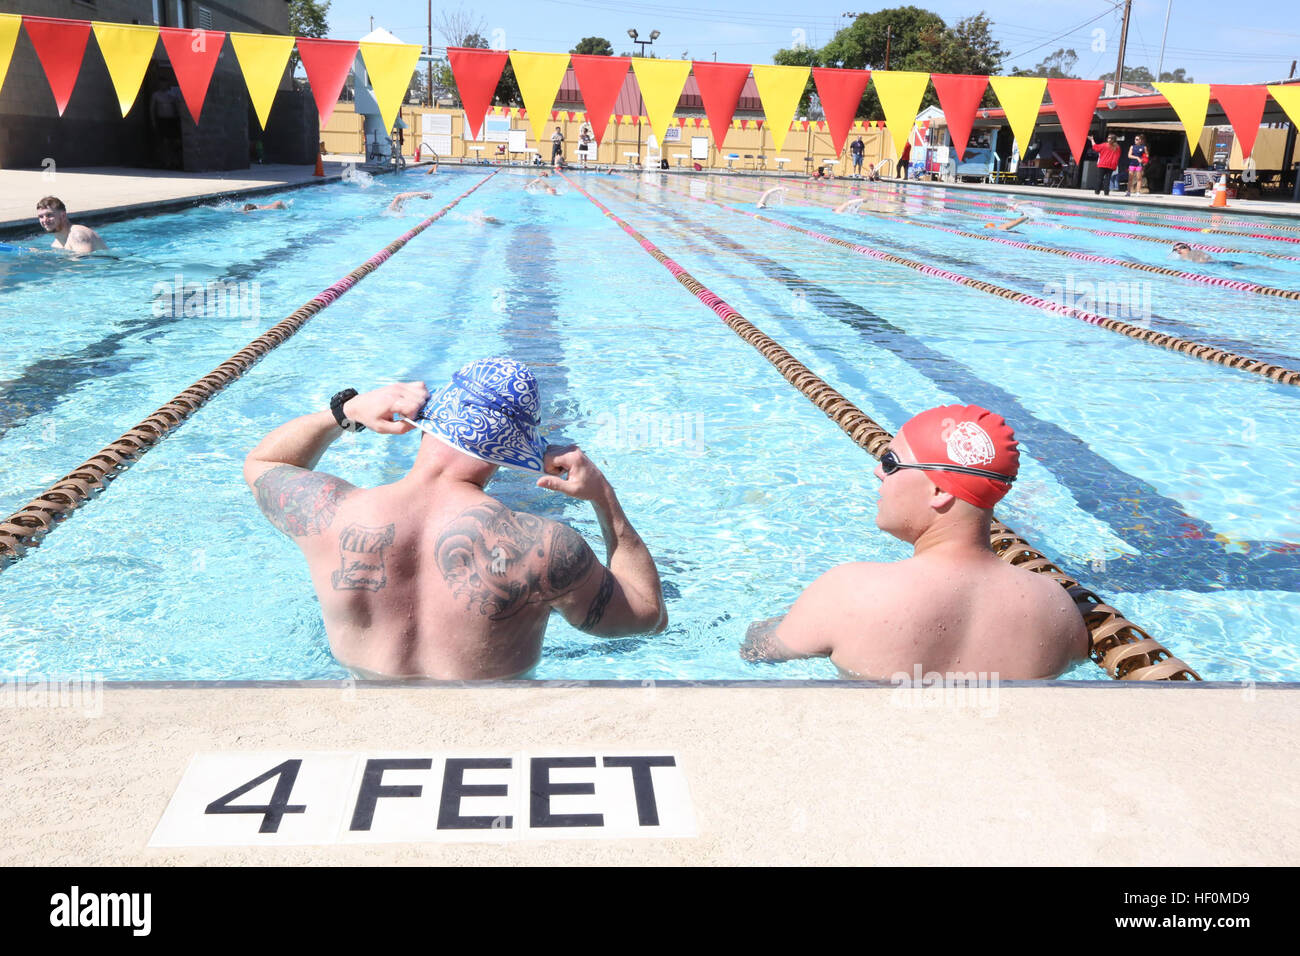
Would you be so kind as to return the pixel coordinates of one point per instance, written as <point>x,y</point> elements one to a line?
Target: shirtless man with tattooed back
<point>430,576</point>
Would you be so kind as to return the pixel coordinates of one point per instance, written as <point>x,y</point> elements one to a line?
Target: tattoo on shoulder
<point>504,561</point>
<point>361,558</point>
<point>300,502</point>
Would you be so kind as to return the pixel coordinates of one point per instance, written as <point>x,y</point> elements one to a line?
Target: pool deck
<point>94,194</point>
<point>1107,774</point>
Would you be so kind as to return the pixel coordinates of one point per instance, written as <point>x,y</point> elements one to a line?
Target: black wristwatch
<point>336,406</point>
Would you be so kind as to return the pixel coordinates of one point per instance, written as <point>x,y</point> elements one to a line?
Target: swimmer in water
<point>542,186</point>
<point>1183,251</point>
<point>53,218</point>
<point>762,200</point>
<point>254,207</point>
<point>940,479</point>
<point>480,218</point>
<point>432,169</point>
<point>400,200</point>
<point>850,204</point>
<point>1007,226</point>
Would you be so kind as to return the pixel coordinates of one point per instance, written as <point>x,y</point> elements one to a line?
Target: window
<point>181,19</point>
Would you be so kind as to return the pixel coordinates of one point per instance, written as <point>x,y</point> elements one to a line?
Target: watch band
<point>336,407</point>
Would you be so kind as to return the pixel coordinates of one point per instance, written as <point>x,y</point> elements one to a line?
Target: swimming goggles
<point>889,464</point>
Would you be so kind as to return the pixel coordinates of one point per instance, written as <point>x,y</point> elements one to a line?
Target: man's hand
<point>377,409</point>
<point>585,481</point>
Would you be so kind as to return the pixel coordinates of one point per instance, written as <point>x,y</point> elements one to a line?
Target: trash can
<point>1089,180</point>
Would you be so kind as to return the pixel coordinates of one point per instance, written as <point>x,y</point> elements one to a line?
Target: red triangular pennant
<point>1075,101</point>
<point>327,63</point>
<point>1244,106</point>
<point>555,115</point>
<point>840,92</point>
<point>600,78</point>
<point>697,120</point>
<point>720,85</point>
<point>959,97</point>
<point>60,45</point>
<point>505,111</point>
<point>758,124</point>
<point>821,125</point>
<point>521,112</point>
<point>618,119</point>
<point>477,73</point>
<point>193,55</point>
<point>569,114</point>
<point>803,124</point>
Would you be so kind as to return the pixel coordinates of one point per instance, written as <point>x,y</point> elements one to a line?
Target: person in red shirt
<point>1107,162</point>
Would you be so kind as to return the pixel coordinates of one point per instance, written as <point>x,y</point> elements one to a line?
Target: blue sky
<point>1201,37</point>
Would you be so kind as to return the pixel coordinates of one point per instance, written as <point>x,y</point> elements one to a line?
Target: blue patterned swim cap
<point>490,411</point>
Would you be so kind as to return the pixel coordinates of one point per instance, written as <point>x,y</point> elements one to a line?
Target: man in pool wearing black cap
<point>430,576</point>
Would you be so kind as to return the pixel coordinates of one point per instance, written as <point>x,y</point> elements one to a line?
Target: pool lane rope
<point>1127,222</point>
<point>1235,285</point>
<point>1200,350</point>
<point>1060,206</point>
<point>26,527</point>
<point>937,204</point>
<point>1122,648</point>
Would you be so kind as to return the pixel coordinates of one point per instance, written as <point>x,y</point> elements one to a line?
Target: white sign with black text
<point>296,799</point>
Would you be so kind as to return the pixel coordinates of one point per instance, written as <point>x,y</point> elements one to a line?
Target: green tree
<point>1060,65</point>
<point>1177,76</point>
<point>307,18</point>
<point>595,46</point>
<point>1141,76</point>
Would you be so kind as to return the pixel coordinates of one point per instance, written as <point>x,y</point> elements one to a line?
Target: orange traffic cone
<point>320,167</point>
<point>1220,193</point>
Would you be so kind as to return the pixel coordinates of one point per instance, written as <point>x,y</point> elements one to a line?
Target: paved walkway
<point>94,192</point>
<point>1111,774</point>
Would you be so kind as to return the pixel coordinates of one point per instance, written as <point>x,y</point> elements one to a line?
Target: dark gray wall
<point>92,131</point>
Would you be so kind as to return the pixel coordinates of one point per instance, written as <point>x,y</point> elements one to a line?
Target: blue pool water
<point>1162,482</point>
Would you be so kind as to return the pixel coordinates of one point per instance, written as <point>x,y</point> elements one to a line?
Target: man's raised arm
<point>299,500</point>
<point>624,596</point>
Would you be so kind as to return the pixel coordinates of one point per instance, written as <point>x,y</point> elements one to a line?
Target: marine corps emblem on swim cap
<point>968,444</point>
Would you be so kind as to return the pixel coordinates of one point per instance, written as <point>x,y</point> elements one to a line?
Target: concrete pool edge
<point>565,684</point>
<point>1040,777</point>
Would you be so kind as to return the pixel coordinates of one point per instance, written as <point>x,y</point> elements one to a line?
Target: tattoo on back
<point>361,558</point>
<point>299,502</point>
<point>503,561</point>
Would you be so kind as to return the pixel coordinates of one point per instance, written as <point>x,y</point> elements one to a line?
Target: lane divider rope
<point>26,527</point>
<point>1235,285</point>
<point>937,204</point>
<point>1200,350</point>
<point>1122,648</point>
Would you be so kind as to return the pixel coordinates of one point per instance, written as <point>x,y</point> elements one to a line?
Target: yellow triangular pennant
<point>1020,96</point>
<point>661,83</point>
<point>389,67</point>
<point>1190,101</point>
<point>900,95</point>
<point>539,76</point>
<point>779,88</point>
<point>9,24</point>
<point>127,51</point>
<point>262,58</point>
<point>1287,96</point>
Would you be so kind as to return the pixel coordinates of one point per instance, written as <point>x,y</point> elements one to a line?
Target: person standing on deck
<point>1107,162</point>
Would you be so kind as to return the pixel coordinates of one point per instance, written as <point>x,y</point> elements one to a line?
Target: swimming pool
<point>1158,480</point>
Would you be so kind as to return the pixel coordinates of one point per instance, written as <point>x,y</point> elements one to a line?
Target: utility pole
<point>429,63</point>
<point>1123,40</point>
<point>1160,63</point>
<point>889,35</point>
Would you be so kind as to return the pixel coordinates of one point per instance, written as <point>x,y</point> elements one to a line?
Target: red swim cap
<point>964,435</point>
